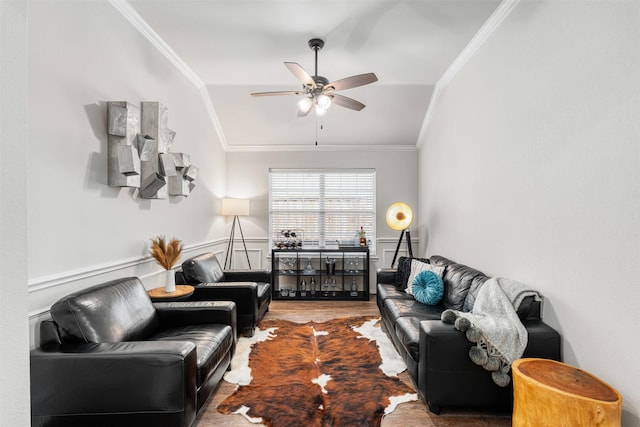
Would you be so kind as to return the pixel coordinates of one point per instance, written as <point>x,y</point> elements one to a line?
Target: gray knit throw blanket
<point>494,326</point>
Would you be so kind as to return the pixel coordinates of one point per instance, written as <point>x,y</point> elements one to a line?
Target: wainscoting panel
<point>387,256</point>
<point>239,259</point>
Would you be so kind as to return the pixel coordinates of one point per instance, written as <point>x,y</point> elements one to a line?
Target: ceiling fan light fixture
<point>305,104</point>
<point>323,101</point>
<point>320,111</point>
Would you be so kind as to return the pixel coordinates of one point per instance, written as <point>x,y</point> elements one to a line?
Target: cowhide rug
<point>316,374</point>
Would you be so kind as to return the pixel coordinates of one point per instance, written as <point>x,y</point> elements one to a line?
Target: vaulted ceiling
<point>236,47</point>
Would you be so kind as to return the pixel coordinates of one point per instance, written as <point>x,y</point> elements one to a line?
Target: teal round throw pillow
<point>428,288</point>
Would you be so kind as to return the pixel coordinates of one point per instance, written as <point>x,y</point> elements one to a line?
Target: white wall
<point>14,337</point>
<point>81,231</point>
<point>396,180</point>
<point>530,170</point>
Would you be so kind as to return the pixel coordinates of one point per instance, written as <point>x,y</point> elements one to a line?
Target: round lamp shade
<point>399,216</point>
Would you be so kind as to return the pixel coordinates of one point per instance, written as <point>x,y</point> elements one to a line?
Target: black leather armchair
<point>249,289</point>
<point>110,356</point>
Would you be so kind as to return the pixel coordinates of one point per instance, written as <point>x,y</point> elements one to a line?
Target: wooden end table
<point>182,292</point>
<point>550,393</point>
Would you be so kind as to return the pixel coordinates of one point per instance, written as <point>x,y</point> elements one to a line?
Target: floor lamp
<point>399,217</point>
<point>235,207</point>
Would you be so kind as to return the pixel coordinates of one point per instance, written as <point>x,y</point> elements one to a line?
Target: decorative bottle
<point>363,239</point>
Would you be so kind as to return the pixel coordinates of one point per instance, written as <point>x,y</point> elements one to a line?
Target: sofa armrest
<point>386,275</point>
<point>247,276</point>
<point>180,279</point>
<point>244,294</point>
<point>447,376</point>
<point>124,378</point>
<point>172,314</point>
<point>442,346</point>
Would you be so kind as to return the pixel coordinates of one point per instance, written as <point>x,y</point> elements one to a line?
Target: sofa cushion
<point>119,310</point>
<point>428,288</point>
<point>408,333</point>
<point>440,260</point>
<point>393,309</point>
<point>404,270</point>
<point>384,291</point>
<point>212,342</point>
<point>203,268</point>
<point>470,299</point>
<point>457,280</point>
<point>264,291</point>
<point>418,267</point>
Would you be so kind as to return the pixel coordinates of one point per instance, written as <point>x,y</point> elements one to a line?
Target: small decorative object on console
<point>309,268</point>
<point>361,235</point>
<point>289,239</point>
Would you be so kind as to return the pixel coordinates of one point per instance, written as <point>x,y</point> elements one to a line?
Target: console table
<point>320,273</point>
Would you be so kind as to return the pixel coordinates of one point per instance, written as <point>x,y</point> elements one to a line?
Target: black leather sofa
<point>111,357</point>
<point>437,355</point>
<point>249,289</point>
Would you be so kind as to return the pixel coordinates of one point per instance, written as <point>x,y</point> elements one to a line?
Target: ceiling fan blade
<point>300,74</point>
<point>286,92</point>
<point>346,102</point>
<point>353,81</point>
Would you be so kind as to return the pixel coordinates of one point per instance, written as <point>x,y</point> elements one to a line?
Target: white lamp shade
<point>232,207</point>
<point>399,216</point>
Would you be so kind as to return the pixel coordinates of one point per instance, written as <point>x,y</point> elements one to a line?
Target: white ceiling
<point>236,47</point>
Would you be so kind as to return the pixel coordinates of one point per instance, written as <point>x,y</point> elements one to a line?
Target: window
<point>328,205</point>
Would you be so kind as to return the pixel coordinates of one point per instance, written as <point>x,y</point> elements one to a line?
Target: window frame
<point>316,194</point>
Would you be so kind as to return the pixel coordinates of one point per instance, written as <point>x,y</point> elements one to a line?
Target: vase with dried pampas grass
<point>166,254</point>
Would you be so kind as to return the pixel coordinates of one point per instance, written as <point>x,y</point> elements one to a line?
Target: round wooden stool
<point>550,393</point>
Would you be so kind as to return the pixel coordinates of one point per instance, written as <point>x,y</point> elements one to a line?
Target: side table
<point>551,393</point>
<point>181,293</point>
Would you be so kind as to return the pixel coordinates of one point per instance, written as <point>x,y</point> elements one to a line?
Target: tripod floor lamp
<point>235,207</point>
<point>399,217</point>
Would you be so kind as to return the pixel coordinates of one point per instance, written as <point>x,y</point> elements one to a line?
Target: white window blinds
<point>328,205</point>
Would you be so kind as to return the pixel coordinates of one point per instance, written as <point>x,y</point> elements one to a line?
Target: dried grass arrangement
<point>165,253</point>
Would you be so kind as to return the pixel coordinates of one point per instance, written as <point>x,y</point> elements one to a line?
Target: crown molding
<point>319,147</point>
<point>501,12</point>
<point>145,29</point>
<point>211,111</point>
<point>495,20</point>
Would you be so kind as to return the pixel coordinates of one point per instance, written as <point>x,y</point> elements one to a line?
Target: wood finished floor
<point>407,414</point>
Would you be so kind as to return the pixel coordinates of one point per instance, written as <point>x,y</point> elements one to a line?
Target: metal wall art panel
<point>123,167</point>
<point>139,143</point>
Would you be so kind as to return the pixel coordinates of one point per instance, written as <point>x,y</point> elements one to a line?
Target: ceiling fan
<point>318,91</point>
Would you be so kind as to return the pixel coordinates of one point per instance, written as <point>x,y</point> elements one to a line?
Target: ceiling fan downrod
<point>316,45</point>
